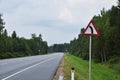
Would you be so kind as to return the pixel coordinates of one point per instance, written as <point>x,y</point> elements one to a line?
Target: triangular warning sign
<point>91,30</point>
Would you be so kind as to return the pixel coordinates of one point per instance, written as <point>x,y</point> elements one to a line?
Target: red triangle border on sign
<point>84,34</point>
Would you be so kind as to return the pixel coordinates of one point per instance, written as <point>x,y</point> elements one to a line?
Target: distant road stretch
<point>30,68</point>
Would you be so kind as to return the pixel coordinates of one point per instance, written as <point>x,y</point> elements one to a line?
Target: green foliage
<point>37,45</point>
<point>99,71</point>
<point>115,63</point>
<point>14,35</point>
<point>107,45</point>
<point>59,48</point>
<point>80,47</point>
<point>11,47</point>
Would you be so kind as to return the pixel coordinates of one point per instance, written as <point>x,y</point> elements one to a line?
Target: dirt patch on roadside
<point>60,70</point>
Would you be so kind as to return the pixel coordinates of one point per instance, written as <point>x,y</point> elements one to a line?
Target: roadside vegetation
<point>13,46</point>
<point>99,71</point>
<point>106,47</point>
<point>58,48</point>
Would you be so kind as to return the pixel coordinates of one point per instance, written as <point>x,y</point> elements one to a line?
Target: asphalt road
<point>30,68</point>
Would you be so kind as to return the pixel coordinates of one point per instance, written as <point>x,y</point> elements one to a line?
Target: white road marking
<point>26,69</point>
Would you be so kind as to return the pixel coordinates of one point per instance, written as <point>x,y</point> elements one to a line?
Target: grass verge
<point>99,71</point>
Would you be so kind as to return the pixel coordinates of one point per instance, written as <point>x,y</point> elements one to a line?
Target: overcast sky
<point>58,21</point>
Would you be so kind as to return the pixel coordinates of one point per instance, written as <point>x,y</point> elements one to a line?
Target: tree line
<point>13,46</point>
<point>58,48</point>
<point>106,47</point>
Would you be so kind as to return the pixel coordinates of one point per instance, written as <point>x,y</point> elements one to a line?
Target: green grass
<point>99,71</point>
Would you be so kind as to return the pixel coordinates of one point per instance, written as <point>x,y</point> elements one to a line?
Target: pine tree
<point>14,35</point>
<point>5,32</point>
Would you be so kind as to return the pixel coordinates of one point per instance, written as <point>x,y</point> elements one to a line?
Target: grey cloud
<point>43,16</point>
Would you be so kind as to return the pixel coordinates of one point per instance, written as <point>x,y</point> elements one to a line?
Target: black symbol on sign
<point>91,29</point>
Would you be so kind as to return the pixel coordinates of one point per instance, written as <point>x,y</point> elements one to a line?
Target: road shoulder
<point>59,70</point>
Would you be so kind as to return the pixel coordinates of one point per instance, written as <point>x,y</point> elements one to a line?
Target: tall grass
<point>99,71</point>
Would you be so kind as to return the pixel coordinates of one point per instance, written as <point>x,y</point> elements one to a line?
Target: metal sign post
<point>90,30</point>
<point>90,61</point>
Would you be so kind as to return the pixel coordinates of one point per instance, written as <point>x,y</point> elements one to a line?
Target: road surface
<point>30,68</point>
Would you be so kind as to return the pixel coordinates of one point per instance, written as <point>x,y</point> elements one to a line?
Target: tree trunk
<point>102,59</point>
<point>105,58</point>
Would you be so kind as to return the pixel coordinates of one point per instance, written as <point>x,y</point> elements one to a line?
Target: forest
<point>106,47</point>
<point>58,48</point>
<point>14,46</point>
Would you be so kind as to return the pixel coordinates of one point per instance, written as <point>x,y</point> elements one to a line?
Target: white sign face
<point>91,30</point>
